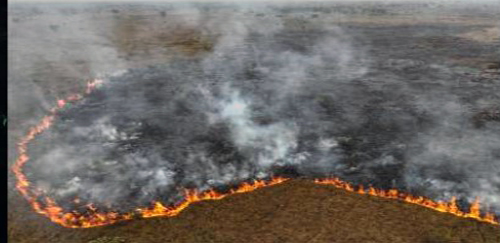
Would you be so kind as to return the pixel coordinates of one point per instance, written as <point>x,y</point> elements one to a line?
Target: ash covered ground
<point>210,96</point>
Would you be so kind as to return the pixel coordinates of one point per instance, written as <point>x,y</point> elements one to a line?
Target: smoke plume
<point>270,95</point>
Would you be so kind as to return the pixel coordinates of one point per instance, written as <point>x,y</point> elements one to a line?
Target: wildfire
<point>192,196</point>
<point>445,207</point>
<point>94,217</point>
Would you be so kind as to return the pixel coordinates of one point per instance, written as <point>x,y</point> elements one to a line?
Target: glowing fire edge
<point>94,218</point>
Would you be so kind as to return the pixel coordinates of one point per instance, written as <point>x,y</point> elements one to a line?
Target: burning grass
<point>295,211</point>
<point>94,217</point>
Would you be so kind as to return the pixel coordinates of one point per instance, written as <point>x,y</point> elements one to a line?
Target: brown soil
<point>296,211</point>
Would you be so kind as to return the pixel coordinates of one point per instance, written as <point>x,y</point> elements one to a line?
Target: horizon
<point>259,1</point>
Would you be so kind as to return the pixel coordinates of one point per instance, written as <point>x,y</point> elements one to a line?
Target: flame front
<point>192,196</point>
<point>93,217</point>
<point>445,207</point>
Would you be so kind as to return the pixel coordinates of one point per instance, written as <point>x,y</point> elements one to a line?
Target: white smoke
<point>270,92</point>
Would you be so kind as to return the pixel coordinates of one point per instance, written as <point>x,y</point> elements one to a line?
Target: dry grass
<point>486,35</point>
<point>297,211</point>
<point>136,36</point>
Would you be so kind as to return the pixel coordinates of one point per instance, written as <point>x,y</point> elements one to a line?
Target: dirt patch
<point>413,20</point>
<point>137,36</point>
<point>486,35</point>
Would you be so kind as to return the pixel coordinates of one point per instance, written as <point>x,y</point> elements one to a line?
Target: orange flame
<point>49,207</point>
<point>445,207</point>
<point>192,196</point>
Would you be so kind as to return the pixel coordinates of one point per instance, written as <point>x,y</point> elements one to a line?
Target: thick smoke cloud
<point>203,123</point>
<point>273,96</point>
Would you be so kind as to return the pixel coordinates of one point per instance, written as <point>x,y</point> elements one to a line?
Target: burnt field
<point>210,96</point>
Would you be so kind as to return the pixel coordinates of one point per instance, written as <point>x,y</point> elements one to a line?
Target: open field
<point>404,77</point>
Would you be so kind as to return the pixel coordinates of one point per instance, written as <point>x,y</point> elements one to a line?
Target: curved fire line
<point>94,218</point>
